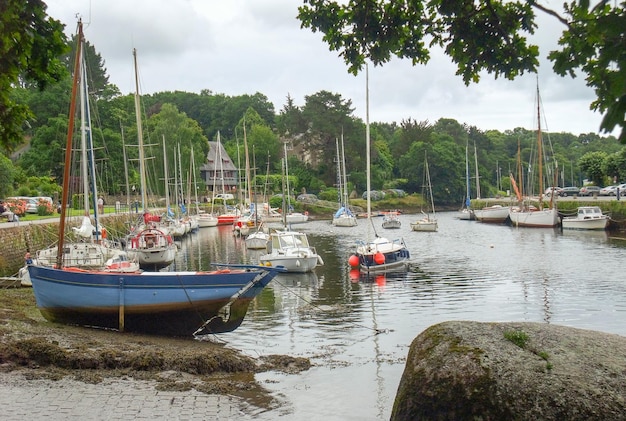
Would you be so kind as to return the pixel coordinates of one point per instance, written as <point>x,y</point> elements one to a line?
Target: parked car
<point>589,190</point>
<point>569,191</point>
<point>29,202</point>
<point>622,189</point>
<point>223,196</point>
<point>557,191</point>
<point>608,191</point>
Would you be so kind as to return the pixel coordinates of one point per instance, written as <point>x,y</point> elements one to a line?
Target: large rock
<point>513,371</point>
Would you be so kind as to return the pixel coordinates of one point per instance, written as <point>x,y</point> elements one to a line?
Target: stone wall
<point>17,240</point>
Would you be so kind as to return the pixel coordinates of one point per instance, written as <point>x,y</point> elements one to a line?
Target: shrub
<point>44,207</point>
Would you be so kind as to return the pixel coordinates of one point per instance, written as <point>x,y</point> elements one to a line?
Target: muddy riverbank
<point>40,350</point>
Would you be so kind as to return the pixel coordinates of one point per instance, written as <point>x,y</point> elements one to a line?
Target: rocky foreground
<point>513,371</point>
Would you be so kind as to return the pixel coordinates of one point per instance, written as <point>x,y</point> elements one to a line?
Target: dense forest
<point>186,121</point>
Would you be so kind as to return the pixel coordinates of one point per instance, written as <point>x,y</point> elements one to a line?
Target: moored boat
<point>290,250</point>
<point>586,218</point>
<point>391,220</point>
<point>495,214</point>
<point>117,297</point>
<point>163,303</point>
<point>378,254</point>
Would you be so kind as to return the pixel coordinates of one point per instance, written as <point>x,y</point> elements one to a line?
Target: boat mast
<point>467,177</point>
<point>339,180</point>
<point>68,146</point>
<point>125,167</point>
<point>88,163</point>
<point>367,142</point>
<point>477,176</point>
<point>345,177</point>
<point>142,169</point>
<point>248,175</point>
<point>167,187</point>
<point>539,150</point>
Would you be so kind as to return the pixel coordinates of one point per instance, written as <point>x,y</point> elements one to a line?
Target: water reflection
<point>357,330</point>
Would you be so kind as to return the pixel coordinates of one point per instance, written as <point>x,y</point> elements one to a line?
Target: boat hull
<point>227,219</point>
<point>392,224</point>
<point>163,303</point>
<point>207,221</point>
<point>296,264</point>
<point>587,218</point>
<point>493,214</point>
<point>296,218</point>
<point>467,215</point>
<point>396,256</point>
<point>589,224</point>
<point>345,221</point>
<point>546,218</point>
<point>424,226</point>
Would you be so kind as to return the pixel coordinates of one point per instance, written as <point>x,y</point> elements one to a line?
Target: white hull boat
<point>544,218</point>
<point>495,214</point>
<point>587,218</point>
<point>291,250</point>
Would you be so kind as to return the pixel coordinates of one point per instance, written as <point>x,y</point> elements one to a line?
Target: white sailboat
<point>527,215</point>
<point>344,216</point>
<point>380,254</point>
<point>291,217</point>
<point>429,222</point>
<point>153,248</point>
<point>466,213</point>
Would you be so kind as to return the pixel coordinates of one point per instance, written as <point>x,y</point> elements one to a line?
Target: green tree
<point>591,164</point>
<point>7,176</point>
<point>180,133</point>
<point>484,35</point>
<point>30,46</point>
<point>615,166</point>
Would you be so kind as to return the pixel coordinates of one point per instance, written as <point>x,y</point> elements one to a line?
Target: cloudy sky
<point>240,47</point>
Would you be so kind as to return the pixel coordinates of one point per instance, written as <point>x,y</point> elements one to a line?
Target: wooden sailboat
<point>165,303</point>
<point>91,248</point>
<point>150,245</point>
<point>380,254</point>
<point>429,222</point>
<point>527,215</point>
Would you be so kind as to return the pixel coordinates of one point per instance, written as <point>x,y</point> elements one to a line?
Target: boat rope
<point>292,291</point>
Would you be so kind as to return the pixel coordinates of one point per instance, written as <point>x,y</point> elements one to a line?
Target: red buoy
<point>379,258</point>
<point>353,260</point>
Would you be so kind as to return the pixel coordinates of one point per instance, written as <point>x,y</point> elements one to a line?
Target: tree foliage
<point>484,35</point>
<point>30,46</point>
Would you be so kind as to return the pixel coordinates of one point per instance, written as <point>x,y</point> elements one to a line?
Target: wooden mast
<point>68,145</point>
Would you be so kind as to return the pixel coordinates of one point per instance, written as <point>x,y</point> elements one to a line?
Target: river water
<point>357,332</point>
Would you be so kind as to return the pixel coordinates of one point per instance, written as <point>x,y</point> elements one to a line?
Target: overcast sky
<point>240,47</point>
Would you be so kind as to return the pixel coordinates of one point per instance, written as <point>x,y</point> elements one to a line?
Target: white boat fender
<point>319,260</point>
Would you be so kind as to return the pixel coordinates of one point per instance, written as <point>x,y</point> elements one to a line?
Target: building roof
<point>216,150</point>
